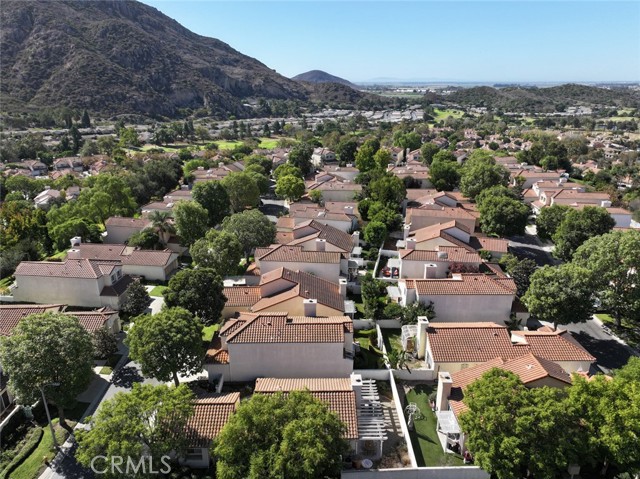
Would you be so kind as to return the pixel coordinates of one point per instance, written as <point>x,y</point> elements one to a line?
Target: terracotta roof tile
<point>295,254</point>
<point>210,414</point>
<point>433,211</point>
<point>71,268</point>
<point>341,400</point>
<point>11,314</point>
<point>469,342</point>
<point>279,328</point>
<point>434,231</point>
<point>131,222</point>
<point>93,320</point>
<point>554,346</point>
<point>242,295</point>
<point>466,284</point>
<point>453,255</point>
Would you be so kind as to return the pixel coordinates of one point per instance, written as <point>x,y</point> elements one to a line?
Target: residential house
<point>428,215</point>
<point>425,264</point>
<point>44,199</point>
<point>335,189</point>
<point>348,172</point>
<point>120,229</point>
<point>155,265</point>
<point>280,345</point>
<point>35,167</point>
<point>299,293</point>
<point>211,412</point>
<point>353,399</point>
<point>321,263</point>
<point>92,321</point>
<point>462,298</point>
<point>321,156</point>
<point>533,371</point>
<point>532,176</point>
<point>419,174</point>
<point>168,201</point>
<point>77,282</point>
<point>68,164</point>
<point>342,215</point>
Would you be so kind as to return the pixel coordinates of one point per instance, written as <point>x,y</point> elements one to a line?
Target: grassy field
<point>629,332</point>
<point>392,339</point>
<point>157,291</point>
<point>208,332</point>
<point>33,465</point>
<point>424,438</point>
<point>442,114</point>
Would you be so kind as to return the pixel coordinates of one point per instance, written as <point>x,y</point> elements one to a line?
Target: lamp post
<point>46,408</point>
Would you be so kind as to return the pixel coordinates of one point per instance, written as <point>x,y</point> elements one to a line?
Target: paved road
<point>529,246</point>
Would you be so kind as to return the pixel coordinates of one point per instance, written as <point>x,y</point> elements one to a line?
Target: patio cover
<point>447,422</point>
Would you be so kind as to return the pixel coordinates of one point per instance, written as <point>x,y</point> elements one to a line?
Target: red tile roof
<point>93,320</point>
<point>454,255</point>
<point>466,284</point>
<point>242,295</point>
<point>131,222</point>
<point>210,414</point>
<point>469,342</point>
<point>336,393</point>
<point>11,314</point>
<point>295,254</point>
<point>552,345</point>
<point>71,268</point>
<point>280,328</point>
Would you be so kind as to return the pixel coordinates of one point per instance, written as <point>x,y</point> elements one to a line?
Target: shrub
<point>30,445</point>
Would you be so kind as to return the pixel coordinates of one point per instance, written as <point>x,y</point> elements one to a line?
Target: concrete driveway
<point>157,302</point>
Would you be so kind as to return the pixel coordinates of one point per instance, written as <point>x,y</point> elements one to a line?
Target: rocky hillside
<point>114,57</point>
<point>318,76</point>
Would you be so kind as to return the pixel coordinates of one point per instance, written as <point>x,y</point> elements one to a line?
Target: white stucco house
<point>281,346</point>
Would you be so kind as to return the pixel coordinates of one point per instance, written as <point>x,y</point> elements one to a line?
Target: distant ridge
<point>318,76</point>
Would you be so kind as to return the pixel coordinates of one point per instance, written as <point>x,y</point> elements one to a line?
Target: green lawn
<point>268,143</point>
<point>369,357</point>
<point>424,438</point>
<point>33,465</point>
<point>157,291</point>
<point>442,114</point>
<point>629,332</point>
<point>392,339</point>
<point>208,332</point>
<point>106,370</point>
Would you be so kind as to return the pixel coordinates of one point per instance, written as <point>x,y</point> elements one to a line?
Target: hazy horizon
<point>428,41</point>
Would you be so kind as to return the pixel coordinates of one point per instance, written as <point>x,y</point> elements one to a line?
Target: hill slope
<point>318,76</point>
<point>533,99</point>
<point>123,57</point>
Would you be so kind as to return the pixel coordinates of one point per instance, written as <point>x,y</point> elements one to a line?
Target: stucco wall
<point>154,273</point>
<point>120,234</point>
<point>288,360</point>
<point>295,307</point>
<point>470,308</point>
<point>71,291</point>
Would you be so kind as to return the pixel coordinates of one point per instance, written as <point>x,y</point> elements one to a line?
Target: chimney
<point>405,231</point>
<point>605,204</point>
<point>456,277</point>
<point>430,271</point>
<point>444,391</point>
<point>76,241</point>
<point>220,164</point>
<point>355,238</point>
<point>356,386</point>
<point>410,243</point>
<point>321,244</point>
<point>342,284</point>
<point>423,325</point>
<point>348,210</point>
<point>310,307</point>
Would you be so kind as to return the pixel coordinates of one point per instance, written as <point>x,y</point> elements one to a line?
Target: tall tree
<point>346,151</point>
<point>375,233</point>
<point>136,300</point>
<point>167,344</point>
<point>199,291</point>
<point>503,216</point>
<point>427,152</point>
<point>148,421</point>
<point>277,435</point>
<point>520,270</point>
<point>365,156</point>
<point>445,175</point>
<point>388,190</point>
<point>300,156</point>
<point>51,352</point>
<point>290,187</point>
<point>286,169</point>
<point>243,191</point>
<point>578,226</point>
<point>561,294</point>
<point>213,196</point>
<point>549,219</point>
<point>614,261</point>
<point>480,173</point>
<point>162,223</point>
<point>218,250</point>
<point>192,221</point>
<point>85,122</point>
<point>252,228</point>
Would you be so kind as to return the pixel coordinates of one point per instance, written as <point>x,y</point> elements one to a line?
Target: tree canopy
<point>252,228</point>
<point>149,420</point>
<point>277,435</point>
<point>444,174</point>
<point>578,226</point>
<point>481,172</point>
<point>549,219</point>
<point>503,216</point>
<point>561,294</point>
<point>243,191</point>
<point>218,250</point>
<point>290,187</point>
<point>136,300</point>
<point>51,351</point>
<point>213,196</point>
<point>167,344</point>
<point>199,291</point>
<point>192,221</point>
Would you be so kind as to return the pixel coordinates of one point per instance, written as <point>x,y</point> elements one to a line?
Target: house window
<point>113,278</point>
<point>194,454</point>
<point>119,273</point>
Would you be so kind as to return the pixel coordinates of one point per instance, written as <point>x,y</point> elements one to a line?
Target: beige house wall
<point>71,291</point>
<point>295,307</point>
<point>470,308</point>
<point>328,271</point>
<point>120,234</point>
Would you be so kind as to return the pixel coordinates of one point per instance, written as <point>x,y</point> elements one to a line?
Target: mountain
<point>551,99</point>
<point>318,76</point>
<point>115,57</point>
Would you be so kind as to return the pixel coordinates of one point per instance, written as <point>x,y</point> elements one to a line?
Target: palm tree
<point>162,224</point>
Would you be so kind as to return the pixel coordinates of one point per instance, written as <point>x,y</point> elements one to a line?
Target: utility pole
<point>46,408</point>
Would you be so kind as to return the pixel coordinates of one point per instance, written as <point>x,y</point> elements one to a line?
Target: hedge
<point>27,449</point>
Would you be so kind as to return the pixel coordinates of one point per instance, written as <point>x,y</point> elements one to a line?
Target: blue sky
<point>483,41</point>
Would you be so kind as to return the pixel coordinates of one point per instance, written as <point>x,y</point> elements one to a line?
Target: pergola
<point>371,423</point>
